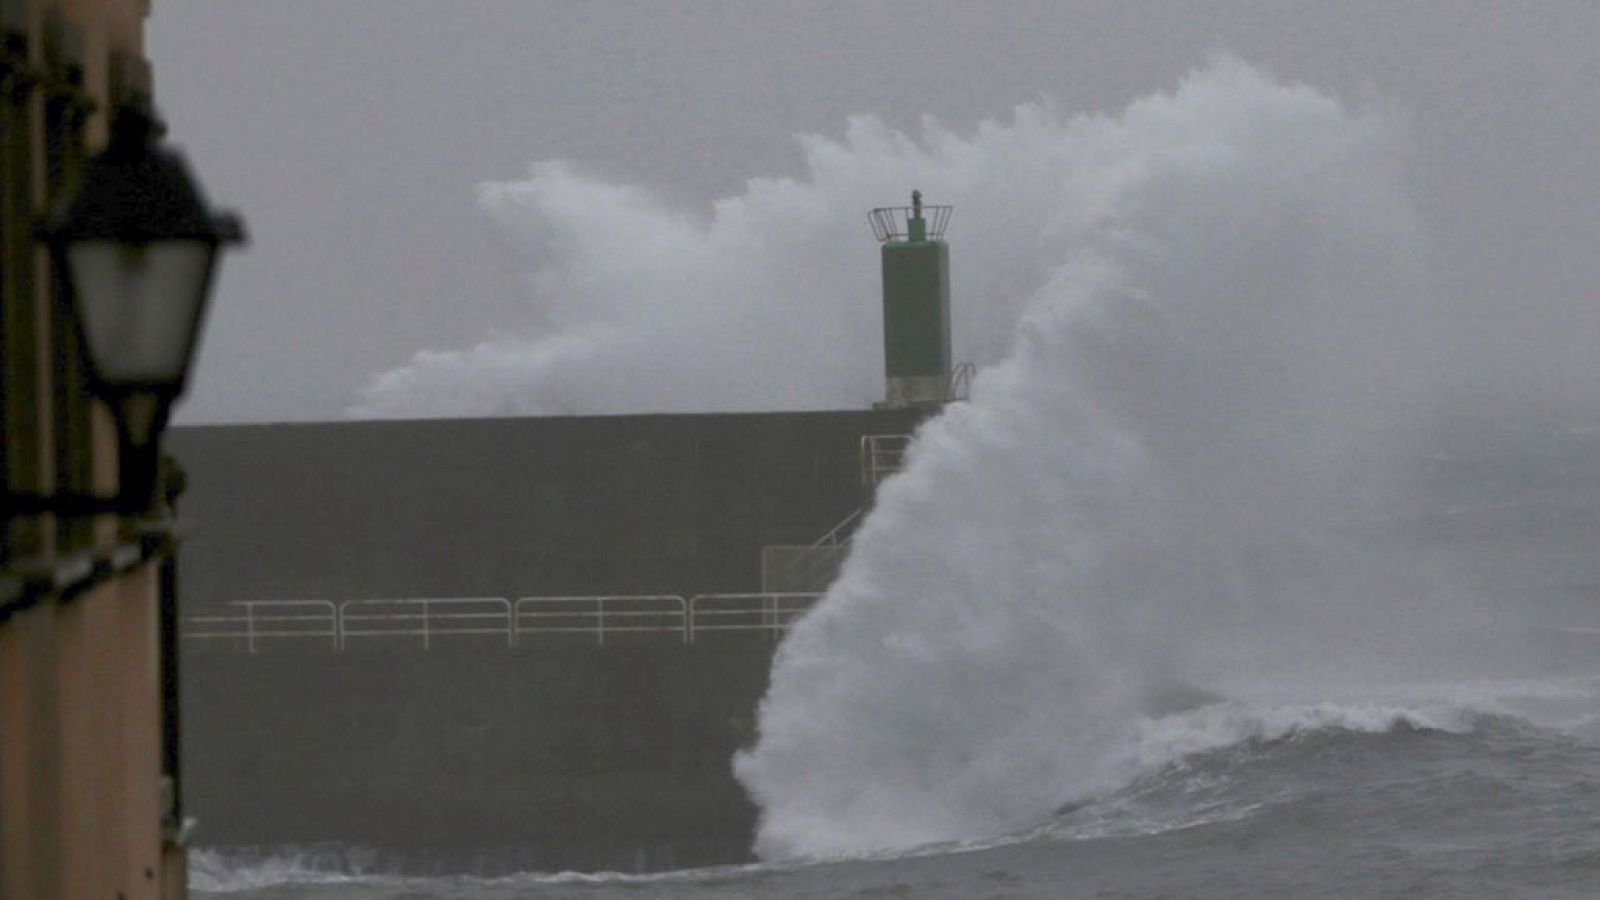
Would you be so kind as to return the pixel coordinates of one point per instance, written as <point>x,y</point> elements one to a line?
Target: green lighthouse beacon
<point>916,303</point>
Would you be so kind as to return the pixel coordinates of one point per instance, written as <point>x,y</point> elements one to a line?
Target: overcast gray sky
<point>353,134</point>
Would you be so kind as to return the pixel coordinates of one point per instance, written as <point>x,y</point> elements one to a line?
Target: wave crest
<point>1170,739</point>
<point>1156,485</point>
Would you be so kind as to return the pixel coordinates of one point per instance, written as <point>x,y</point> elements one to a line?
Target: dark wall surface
<point>475,756</point>
<point>511,507</point>
<point>479,759</point>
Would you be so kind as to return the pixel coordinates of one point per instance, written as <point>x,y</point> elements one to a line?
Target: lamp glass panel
<point>138,303</point>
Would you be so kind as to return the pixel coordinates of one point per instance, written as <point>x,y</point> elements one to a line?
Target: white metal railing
<point>893,222</point>
<point>882,455</point>
<point>772,613</point>
<point>620,614</point>
<point>840,534</point>
<point>961,382</point>
<point>800,568</point>
<point>425,617</point>
<point>429,618</point>
<point>810,567</point>
<point>257,620</point>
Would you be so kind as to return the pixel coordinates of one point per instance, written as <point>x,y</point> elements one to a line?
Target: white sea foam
<point>252,870</point>
<point>238,871</point>
<point>770,299</point>
<point>1169,739</point>
<point>1166,480</point>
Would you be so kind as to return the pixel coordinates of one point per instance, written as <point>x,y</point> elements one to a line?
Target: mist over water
<point>1178,478</point>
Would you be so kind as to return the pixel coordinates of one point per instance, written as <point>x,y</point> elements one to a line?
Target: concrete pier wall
<point>483,758</point>
<point>553,754</point>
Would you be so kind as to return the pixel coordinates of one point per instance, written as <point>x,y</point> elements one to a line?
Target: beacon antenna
<point>916,306</point>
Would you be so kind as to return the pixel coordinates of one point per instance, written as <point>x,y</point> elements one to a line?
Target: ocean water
<point>1232,579</point>
<point>1484,790</point>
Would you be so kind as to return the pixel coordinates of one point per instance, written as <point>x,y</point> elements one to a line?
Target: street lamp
<point>136,249</point>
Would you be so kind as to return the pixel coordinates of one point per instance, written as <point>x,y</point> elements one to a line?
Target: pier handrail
<point>429,618</point>
<point>771,612</point>
<point>425,617</point>
<point>261,619</point>
<point>603,614</point>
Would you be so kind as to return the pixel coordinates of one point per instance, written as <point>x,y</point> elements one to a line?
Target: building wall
<point>80,705</point>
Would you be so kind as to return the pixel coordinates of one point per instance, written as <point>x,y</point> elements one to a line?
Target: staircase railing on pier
<point>882,455</point>
<point>808,568</point>
<point>961,382</point>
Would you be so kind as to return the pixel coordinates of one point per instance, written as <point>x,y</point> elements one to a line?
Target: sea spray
<point>769,298</point>
<point>1203,338</point>
<point>1166,481</point>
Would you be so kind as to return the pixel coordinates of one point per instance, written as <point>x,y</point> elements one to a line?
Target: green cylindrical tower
<point>916,302</point>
